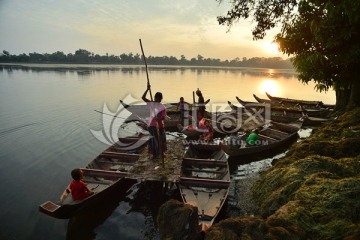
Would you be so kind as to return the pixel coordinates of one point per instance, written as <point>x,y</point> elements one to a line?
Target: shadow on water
<point>82,225</point>
<point>147,201</point>
<point>143,198</point>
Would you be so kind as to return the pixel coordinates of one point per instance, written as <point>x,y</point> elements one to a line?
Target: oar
<point>109,114</point>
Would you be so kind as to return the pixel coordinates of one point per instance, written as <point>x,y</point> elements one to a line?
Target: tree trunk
<point>354,99</point>
<point>342,98</point>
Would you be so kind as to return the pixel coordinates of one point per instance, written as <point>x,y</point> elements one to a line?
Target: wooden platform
<point>145,169</point>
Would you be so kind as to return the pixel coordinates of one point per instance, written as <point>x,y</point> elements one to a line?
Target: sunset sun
<point>271,47</point>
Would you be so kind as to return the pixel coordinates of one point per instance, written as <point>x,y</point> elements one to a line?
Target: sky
<point>166,28</point>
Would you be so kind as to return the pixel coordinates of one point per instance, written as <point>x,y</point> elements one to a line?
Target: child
<point>78,188</point>
<point>205,125</point>
<point>184,109</point>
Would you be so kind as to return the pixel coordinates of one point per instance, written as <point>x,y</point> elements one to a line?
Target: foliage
<point>265,13</point>
<point>322,36</point>
<point>84,56</point>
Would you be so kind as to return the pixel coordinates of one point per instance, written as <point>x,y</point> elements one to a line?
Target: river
<point>47,122</point>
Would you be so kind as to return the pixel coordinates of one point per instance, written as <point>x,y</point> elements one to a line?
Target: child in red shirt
<point>78,188</point>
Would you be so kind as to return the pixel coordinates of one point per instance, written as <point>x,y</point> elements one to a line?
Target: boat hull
<point>205,181</point>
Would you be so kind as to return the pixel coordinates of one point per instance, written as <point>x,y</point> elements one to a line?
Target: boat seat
<point>116,155</point>
<point>200,161</point>
<point>207,183</point>
<point>205,171</point>
<point>103,173</point>
<point>115,162</point>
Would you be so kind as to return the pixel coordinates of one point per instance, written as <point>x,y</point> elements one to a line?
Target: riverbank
<point>311,193</point>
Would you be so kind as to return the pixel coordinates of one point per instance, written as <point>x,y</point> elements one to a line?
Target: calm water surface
<point>46,117</point>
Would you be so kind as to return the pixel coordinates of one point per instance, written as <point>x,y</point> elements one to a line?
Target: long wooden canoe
<point>304,103</point>
<point>205,180</point>
<point>289,117</point>
<point>103,175</point>
<point>272,136</point>
<point>296,109</point>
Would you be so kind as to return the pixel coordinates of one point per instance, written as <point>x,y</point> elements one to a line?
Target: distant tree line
<point>82,56</point>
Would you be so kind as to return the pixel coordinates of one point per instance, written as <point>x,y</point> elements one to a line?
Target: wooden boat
<point>205,180</point>
<point>141,112</point>
<point>305,103</point>
<point>273,135</point>
<point>288,108</point>
<point>219,123</point>
<point>104,175</point>
<point>278,116</point>
<point>289,117</point>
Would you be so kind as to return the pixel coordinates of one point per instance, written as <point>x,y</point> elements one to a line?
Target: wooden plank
<point>116,155</point>
<point>116,162</point>
<point>103,173</point>
<point>204,171</point>
<point>143,139</point>
<point>200,161</point>
<point>274,134</point>
<point>48,207</point>
<point>267,137</point>
<point>200,146</point>
<point>274,130</point>
<point>207,183</point>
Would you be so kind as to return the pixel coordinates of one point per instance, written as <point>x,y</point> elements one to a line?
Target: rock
<point>177,220</point>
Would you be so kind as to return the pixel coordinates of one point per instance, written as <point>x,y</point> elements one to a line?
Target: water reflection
<point>86,70</point>
<point>82,225</point>
<point>134,216</point>
<point>270,86</point>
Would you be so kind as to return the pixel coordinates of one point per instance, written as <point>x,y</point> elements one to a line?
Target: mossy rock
<point>311,193</point>
<point>238,228</point>
<point>177,220</point>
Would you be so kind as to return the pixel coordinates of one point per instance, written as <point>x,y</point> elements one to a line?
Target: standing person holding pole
<point>201,104</point>
<point>157,144</point>
<point>156,127</point>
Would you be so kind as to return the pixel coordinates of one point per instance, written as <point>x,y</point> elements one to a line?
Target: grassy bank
<point>311,193</point>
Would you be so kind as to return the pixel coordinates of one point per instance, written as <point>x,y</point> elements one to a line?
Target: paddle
<point>157,126</point>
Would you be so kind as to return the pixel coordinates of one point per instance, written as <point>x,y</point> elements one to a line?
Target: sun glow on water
<point>270,86</point>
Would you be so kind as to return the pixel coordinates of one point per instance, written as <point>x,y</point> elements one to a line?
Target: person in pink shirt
<point>156,126</point>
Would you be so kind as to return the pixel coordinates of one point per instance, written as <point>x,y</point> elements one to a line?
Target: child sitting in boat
<point>78,188</point>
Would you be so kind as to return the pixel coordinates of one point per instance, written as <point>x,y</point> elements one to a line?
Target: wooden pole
<point>146,68</point>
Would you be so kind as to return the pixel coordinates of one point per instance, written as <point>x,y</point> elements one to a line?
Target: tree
<point>322,36</point>
<point>82,56</point>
